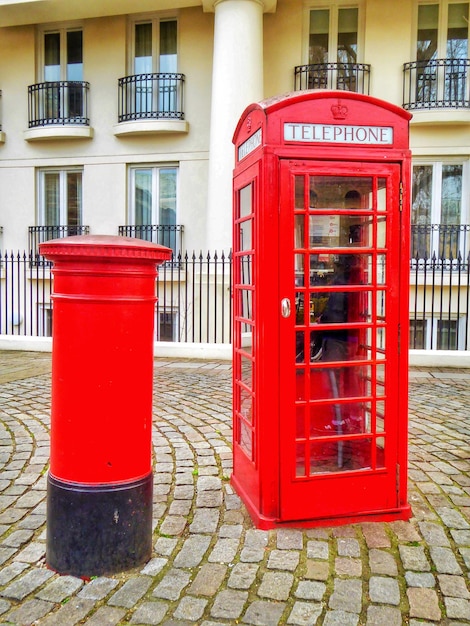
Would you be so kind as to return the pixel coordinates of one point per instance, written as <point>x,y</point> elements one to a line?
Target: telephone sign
<point>321,279</point>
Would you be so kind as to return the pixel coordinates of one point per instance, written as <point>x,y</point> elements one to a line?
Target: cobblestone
<point>210,566</point>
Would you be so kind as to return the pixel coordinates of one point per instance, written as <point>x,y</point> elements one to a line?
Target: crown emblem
<point>339,111</point>
<point>248,123</point>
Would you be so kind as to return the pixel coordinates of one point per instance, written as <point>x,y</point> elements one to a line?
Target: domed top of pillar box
<point>105,248</point>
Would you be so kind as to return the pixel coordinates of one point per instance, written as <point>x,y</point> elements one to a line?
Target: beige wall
<point>283,46</point>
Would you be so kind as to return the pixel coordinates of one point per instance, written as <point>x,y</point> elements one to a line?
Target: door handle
<point>285,307</point>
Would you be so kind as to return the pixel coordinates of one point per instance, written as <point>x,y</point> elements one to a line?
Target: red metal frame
<point>290,412</point>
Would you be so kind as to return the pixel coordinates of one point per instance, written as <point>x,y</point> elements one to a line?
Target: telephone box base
<point>263,522</point>
<point>98,529</point>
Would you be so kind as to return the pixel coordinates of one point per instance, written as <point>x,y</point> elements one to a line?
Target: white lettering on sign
<point>338,133</point>
<point>249,145</point>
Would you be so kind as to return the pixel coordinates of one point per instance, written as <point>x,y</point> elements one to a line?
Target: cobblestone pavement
<point>210,566</point>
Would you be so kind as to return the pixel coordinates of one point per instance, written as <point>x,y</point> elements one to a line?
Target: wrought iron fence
<point>194,297</point>
<point>151,96</point>
<point>343,76</point>
<point>58,102</point>
<point>436,83</point>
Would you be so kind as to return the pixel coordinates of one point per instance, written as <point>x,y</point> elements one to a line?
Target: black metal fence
<point>194,299</point>
<point>343,76</point>
<point>435,83</point>
<point>57,103</point>
<point>151,96</point>
<point>193,290</point>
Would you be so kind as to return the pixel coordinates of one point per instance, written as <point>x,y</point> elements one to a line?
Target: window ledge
<point>2,137</point>
<point>145,127</point>
<point>440,117</point>
<point>58,132</point>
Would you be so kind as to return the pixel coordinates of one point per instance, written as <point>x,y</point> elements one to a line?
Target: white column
<point>237,81</point>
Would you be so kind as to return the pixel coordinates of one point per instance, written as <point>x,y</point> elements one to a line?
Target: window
<point>155,48</point>
<point>333,38</point>
<point>44,320</point>
<point>63,68</point>
<point>153,204</point>
<point>438,334</point>
<point>60,198</point>
<point>166,327</point>
<point>63,55</point>
<point>155,52</point>
<point>442,31</point>
<point>439,210</point>
<point>442,52</point>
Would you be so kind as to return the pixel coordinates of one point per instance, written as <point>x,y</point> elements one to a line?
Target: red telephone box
<point>321,279</point>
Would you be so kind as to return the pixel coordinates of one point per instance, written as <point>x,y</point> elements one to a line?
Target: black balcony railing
<point>151,96</point>
<point>58,103</point>
<point>439,83</point>
<point>343,76</point>
<point>443,242</point>
<point>38,234</point>
<point>169,236</point>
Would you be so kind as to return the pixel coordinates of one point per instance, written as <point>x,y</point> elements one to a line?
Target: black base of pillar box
<point>96,530</point>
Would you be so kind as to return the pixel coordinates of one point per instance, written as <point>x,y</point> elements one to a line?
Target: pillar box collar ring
<point>105,247</point>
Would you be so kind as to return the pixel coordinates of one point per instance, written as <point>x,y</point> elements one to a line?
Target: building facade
<point>117,118</point>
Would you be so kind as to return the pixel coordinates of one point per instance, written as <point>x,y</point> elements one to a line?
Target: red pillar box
<point>99,503</point>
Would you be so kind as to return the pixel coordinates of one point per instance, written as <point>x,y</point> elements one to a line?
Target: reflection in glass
<point>341,192</point>
<point>381,274</point>
<point>300,422</point>
<point>246,235</point>
<point>299,231</point>
<point>246,439</point>
<point>380,421</point>
<point>340,231</point>
<point>246,200</point>
<point>246,305</point>
<point>382,194</point>
<point>339,456</point>
<point>382,232</point>
<point>348,382</point>
<point>246,269</point>
<point>299,269</point>
<point>380,309</point>
<point>246,404</point>
<point>247,371</point>
<point>381,341</point>
<point>300,469</point>
<point>299,192</point>
<point>341,418</point>
<point>299,346</point>
<point>340,269</point>
<point>300,384</point>
<point>380,452</point>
